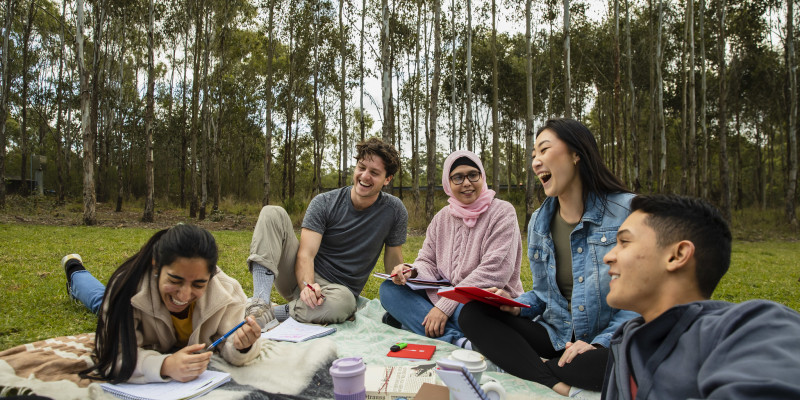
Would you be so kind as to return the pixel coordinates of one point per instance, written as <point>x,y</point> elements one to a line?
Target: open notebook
<point>173,390</point>
<point>293,331</point>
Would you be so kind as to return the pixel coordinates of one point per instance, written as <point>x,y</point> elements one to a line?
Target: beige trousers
<point>274,245</point>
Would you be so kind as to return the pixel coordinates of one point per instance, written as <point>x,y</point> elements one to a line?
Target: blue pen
<point>225,336</point>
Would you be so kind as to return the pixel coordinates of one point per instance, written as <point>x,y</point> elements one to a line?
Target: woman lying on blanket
<point>569,321</point>
<point>474,241</point>
<point>163,305</point>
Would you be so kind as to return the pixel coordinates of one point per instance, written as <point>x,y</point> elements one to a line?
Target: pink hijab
<point>468,212</point>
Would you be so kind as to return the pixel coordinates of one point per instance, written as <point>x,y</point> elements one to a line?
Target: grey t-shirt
<point>352,240</point>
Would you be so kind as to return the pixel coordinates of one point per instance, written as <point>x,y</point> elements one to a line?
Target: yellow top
<point>183,327</point>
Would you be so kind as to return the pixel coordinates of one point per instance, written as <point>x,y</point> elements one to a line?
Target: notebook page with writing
<point>293,331</point>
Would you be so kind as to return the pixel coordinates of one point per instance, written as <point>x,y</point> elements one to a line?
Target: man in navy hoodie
<point>671,253</point>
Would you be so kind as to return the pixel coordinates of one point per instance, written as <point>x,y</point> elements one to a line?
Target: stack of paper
<point>173,390</point>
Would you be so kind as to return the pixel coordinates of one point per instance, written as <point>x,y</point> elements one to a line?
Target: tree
<point>4,92</point>
<point>567,75</point>
<point>26,41</point>
<point>495,117</point>
<point>434,107</point>
<point>530,205</point>
<point>724,174</point>
<point>268,106</point>
<point>634,121</point>
<point>692,106</point>
<point>662,166</point>
<point>386,76</point>
<point>468,90</point>
<point>147,216</point>
<point>791,184</point>
<point>343,95</point>
<point>703,89</point>
<point>89,196</point>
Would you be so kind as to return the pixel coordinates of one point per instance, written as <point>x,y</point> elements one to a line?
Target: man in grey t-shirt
<point>342,236</point>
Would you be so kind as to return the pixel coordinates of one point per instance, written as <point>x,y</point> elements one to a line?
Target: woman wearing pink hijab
<point>473,241</point>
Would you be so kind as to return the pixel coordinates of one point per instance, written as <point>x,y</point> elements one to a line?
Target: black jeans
<point>517,345</point>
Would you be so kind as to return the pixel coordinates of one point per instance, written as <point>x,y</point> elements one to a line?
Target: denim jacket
<point>592,320</point>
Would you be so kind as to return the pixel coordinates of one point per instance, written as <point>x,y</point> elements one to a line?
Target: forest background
<point>189,102</point>
<point>143,113</point>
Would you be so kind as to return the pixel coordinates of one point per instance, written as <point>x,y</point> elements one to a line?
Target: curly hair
<point>376,147</point>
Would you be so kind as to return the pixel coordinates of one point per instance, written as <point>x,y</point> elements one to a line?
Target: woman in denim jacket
<point>568,322</point>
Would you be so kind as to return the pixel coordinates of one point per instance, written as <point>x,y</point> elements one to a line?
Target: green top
<point>560,230</point>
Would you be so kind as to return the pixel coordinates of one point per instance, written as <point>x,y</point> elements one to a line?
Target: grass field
<point>35,304</point>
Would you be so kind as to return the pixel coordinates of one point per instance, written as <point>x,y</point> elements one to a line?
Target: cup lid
<point>347,367</point>
<point>474,361</point>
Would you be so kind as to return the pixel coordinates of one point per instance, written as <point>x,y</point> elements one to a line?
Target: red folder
<point>417,351</point>
<point>465,294</point>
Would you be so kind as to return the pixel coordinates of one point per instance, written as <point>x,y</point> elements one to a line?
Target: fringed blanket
<point>282,371</point>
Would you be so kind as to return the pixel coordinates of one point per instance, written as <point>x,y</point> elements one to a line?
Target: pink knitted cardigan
<point>486,255</point>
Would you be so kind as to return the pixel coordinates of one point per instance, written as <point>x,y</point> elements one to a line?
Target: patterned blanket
<point>282,371</point>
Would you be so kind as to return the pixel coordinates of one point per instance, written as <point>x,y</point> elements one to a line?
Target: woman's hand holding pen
<point>500,292</point>
<point>403,272</point>
<point>245,336</point>
<point>184,365</point>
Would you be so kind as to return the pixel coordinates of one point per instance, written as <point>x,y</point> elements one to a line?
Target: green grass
<point>35,304</point>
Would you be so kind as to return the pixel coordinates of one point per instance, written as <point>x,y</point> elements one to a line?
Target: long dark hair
<point>115,338</point>
<point>596,178</point>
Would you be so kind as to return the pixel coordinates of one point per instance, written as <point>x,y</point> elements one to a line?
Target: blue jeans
<point>411,306</point>
<point>87,289</point>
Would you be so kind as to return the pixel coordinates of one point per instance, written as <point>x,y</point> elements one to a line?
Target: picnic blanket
<point>283,370</point>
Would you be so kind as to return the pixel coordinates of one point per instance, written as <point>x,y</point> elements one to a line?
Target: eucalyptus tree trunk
<point>89,199</point>
<point>415,113</point>
<point>530,182</point>
<point>343,98</point>
<point>386,76</point>
<point>184,132</point>
<point>315,180</point>
<point>468,90</point>
<point>205,115</point>
<point>684,105</point>
<point>495,106</point>
<point>636,185</point>
<point>268,106</point>
<point>434,107</point>
<point>692,104</point>
<point>59,112</point>
<point>361,126</point>
<point>567,74</point>
<point>724,175</point>
<point>703,88</point>
<point>99,11</point>
<point>23,129</point>
<point>650,178</point>
<point>4,92</point>
<point>149,115</point>
<point>662,167</point>
<point>791,184</point>
<point>616,118</point>
<point>196,82</point>
<point>121,120</point>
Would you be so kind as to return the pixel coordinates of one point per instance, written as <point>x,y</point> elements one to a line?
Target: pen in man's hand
<point>312,289</point>
<point>216,342</point>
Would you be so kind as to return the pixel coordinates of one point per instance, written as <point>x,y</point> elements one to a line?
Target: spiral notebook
<point>460,381</point>
<point>173,390</point>
<point>293,331</point>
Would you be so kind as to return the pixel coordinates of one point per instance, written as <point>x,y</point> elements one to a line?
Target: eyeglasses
<point>458,179</point>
